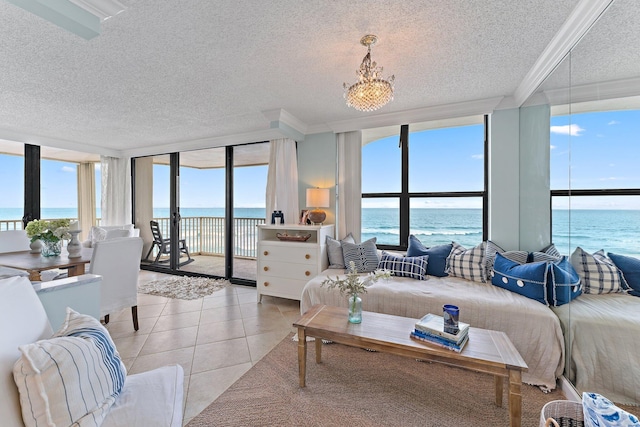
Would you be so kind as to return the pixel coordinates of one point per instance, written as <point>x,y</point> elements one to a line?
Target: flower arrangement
<point>48,231</point>
<point>351,284</point>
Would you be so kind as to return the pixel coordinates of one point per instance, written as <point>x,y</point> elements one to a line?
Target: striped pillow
<point>414,267</point>
<point>599,275</point>
<point>364,255</point>
<point>467,263</point>
<point>72,378</point>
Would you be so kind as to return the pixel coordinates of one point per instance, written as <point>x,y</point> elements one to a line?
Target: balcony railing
<point>204,235</point>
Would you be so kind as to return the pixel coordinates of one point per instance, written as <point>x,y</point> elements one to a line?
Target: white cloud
<point>97,166</point>
<point>68,169</point>
<point>573,130</point>
<point>613,122</point>
<point>552,147</point>
<point>477,156</point>
<point>613,178</point>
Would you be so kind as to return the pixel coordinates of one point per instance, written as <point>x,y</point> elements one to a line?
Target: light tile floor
<point>216,339</point>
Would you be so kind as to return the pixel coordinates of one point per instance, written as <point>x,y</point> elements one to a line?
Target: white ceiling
<point>169,75</point>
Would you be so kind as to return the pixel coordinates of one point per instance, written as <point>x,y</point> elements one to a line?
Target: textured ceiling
<point>171,72</point>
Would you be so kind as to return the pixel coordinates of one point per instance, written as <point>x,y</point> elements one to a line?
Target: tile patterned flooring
<point>216,339</point>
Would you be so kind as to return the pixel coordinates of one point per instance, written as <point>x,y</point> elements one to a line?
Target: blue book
<point>439,341</point>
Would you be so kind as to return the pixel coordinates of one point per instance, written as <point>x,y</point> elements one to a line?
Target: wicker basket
<point>562,413</point>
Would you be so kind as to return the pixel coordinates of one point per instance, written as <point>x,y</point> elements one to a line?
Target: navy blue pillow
<point>437,256</point>
<point>630,268</point>
<point>564,284</point>
<point>529,280</point>
<point>413,267</point>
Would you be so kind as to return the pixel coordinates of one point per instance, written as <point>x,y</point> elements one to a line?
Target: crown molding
<point>26,138</point>
<point>594,92</point>
<point>437,112</point>
<point>583,16</point>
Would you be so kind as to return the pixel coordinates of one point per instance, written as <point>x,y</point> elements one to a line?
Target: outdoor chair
<point>164,245</point>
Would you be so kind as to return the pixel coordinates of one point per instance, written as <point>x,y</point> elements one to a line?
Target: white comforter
<point>532,327</point>
<point>603,345</point>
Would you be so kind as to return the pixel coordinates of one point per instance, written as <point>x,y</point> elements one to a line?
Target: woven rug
<point>183,287</point>
<point>354,387</point>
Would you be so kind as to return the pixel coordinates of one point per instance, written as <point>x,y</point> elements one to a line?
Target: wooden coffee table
<point>487,351</point>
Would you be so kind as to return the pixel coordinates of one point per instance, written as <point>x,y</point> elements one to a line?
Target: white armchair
<point>13,241</point>
<point>118,262</point>
<point>152,398</point>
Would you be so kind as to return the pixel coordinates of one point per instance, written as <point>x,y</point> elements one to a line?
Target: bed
<point>532,327</point>
<point>602,338</point>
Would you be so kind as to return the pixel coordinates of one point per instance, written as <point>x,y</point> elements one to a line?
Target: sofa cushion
<point>529,280</point>
<point>415,267</point>
<point>98,234</point>
<point>437,264</point>
<point>73,377</point>
<point>490,251</point>
<point>564,284</point>
<point>598,273</point>
<point>597,411</point>
<point>521,257</point>
<point>334,251</point>
<point>467,263</point>
<point>630,269</point>
<point>364,255</point>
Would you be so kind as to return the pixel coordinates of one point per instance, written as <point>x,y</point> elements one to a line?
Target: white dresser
<point>284,267</point>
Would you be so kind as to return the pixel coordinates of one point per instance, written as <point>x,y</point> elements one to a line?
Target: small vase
<point>355,309</point>
<point>36,247</point>
<point>51,248</point>
<point>74,247</point>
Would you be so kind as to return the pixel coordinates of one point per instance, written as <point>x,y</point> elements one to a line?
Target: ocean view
<point>612,230</point>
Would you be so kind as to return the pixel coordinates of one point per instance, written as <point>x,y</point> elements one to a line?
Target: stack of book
<point>430,329</point>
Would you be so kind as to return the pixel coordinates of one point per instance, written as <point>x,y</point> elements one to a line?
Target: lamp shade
<point>317,197</point>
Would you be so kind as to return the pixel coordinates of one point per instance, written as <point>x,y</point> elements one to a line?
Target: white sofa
<point>153,398</point>
<point>109,232</point>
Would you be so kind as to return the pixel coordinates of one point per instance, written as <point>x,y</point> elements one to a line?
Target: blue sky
<point>602,148</point>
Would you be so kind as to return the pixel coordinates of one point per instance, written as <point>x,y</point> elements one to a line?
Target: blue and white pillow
<point>630,269</point>
<point>529,280</point>
<point>72,378</point>
<point>437,255</point>
<point>521,257</point>
<point>490,251</point>
<point>364,255</point>
<point>598,274</point>
<point>598,411</point>
<point>564,284</point>
<point>467,263</point>
<point>414,267</point>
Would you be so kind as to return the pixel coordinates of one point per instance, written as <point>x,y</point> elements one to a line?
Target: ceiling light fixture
<point>81,17</point>
<point>371,91</point>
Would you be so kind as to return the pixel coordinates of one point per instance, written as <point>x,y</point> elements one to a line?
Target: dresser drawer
<point>305,254</point>
<point>280,287</point>
<point>287,269</point>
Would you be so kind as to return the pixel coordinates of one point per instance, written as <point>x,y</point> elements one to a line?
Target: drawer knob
<point>265,253</point>
<point>266,284</point>
<point>307,256</point>
<point>266,268</point>
<point>307,273</point>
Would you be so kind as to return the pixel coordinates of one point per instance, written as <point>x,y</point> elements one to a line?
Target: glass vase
<point>355,309</point>
<point>51,248</point>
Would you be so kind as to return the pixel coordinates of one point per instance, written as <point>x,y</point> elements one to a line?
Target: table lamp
<point>317,198</point>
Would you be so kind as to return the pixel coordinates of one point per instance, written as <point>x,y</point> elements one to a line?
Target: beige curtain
<point>282,180</point>
<point>349,190</point>
<point>116,190</point>
<point>86,198</point>
<point>144,200</point>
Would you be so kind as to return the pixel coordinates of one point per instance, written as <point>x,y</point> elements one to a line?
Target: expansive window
<point>596,200</point>
<point>428,181</point>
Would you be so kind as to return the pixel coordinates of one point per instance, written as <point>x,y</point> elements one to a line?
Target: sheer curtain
<point>116,190</point>
<point>86,197</point>
<point>349,184</point>
<point>282,180</point>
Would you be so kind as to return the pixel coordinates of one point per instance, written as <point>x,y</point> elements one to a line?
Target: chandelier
<point>371,91</point>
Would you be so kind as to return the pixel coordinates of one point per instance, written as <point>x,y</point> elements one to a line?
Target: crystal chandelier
<point>371,91</point>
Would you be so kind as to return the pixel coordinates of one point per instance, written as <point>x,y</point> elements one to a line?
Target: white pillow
<point>72,378</point>
<point>599,275</point>
<point>97,234</point>
<point>112,234</point>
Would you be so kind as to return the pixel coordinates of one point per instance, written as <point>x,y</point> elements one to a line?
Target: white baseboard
<point>569,390</point>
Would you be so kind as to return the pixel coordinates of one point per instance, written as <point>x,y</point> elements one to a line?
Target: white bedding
<point>603,345</point>
<point>532,327</point>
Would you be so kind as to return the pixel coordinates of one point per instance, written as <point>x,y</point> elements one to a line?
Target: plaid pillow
<point>598,274</point>
<point>467,263</point>
<point>414,267</point>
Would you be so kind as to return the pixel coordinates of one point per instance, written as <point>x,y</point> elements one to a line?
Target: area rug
<point>183,287</point>
<point>358,388</point>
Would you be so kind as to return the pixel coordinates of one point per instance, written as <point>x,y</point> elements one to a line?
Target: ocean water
<point>614,231</point>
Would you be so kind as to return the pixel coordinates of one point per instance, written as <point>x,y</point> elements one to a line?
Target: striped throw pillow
<point>414,267</point>
<point>72,378</point>
<point>364,255</point>
<point>598,274</point>
<point>467,263</point>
